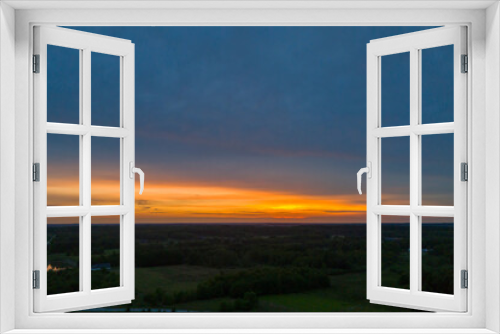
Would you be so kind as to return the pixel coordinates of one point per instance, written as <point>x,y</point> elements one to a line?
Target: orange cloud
<point>177,203</point>
<point>64,192</point>
<point>190,203</point>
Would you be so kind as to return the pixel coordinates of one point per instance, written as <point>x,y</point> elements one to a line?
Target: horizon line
<point>250,223</point>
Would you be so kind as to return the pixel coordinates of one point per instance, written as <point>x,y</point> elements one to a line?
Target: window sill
<point>251,331</point>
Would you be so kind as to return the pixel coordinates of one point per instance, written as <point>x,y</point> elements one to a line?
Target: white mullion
<point>419,255</point>
<point>419,162</point>
<point>80,211</point>
<point>127,185</point>
<point>414,169</point>
<point>110,210</point>
<point>81,262</point>
<point>67,129</point>
<point>86,166</point>
<point>432,129</point>
<point>121,247</point>
<point>372,184</point>
<point>406,210</point>
<point>80,129</point>
<point>80,167</point>
<point>392,131</point>
<point>376,199</point>
<point>434,211</point>
<point>392,210</point>
<point>421,129</point>
<point>122,181</point>
<point>66,211</point>
<point>86,259</point>
<point>378,141</point>
<point>379,250</point>
<point>108,131</point>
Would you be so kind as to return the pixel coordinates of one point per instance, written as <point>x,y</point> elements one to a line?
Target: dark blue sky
<point>266,108</point>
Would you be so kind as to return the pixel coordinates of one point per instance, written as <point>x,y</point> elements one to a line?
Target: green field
<point>175,278</point>
<point>346,294</point>
<point>252,267</point>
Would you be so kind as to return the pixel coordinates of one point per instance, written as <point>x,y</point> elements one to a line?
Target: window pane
<point>105,89</point>
<point>63,85</point>
<point>395,90</point>
<point>395,167</point>
<point>396,251</point>
<point>437,169</point>
<point>105,252</point>
<point>63,170</point>
<point>105,171</point>
<point>63,254</point>
<point>437,254</point>
<point>437,84</point>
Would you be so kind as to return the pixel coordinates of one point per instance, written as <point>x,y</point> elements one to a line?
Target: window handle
<point>368,171</point>
<point>139,171</point>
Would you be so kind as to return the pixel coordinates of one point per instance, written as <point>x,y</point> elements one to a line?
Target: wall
<point>492,165</point>
<point>7,159</point>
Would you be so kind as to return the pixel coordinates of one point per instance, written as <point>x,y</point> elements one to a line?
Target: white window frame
<point>482,19</point>
<point>414,43</point>
<point>86,44</point>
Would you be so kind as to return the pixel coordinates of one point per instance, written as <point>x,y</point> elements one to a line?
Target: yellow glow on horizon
<point>191,203</point>
<point>167,202</point>
<point>288,207</point>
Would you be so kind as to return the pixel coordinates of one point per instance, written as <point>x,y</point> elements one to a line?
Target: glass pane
<point>63,170</point>
<point>437,254</point>
<point>105,248</point>
<point>396,251</point>
<point>437,169</point>
<point>105,89</point>
<point>395,90</point>
<point>105,171</point>
<point>63,254</point>
<point>395,167</point>
<point>63,85</point>
<point>437,84</point>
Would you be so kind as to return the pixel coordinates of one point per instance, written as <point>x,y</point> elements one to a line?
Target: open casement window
<point>74,205</point>
<point>427,221</point>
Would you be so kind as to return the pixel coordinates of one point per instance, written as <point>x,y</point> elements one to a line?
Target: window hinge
<point>36,172</point>
<point>36,279</point>
<point>464,170</point>
<point>36,63</point>
<point>465,64</point>
<point>464,279</point>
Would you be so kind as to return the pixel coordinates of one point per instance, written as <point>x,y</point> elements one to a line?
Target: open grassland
<point>346,294</point>
<point>256,267</point>
<point>175,278</point>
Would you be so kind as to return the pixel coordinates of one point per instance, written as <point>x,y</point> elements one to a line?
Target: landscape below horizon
<point>250,267</point>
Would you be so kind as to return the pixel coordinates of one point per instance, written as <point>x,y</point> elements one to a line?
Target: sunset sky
<point>249,124</point>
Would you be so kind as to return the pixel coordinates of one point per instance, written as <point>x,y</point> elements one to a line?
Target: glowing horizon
<point>179,203</point>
